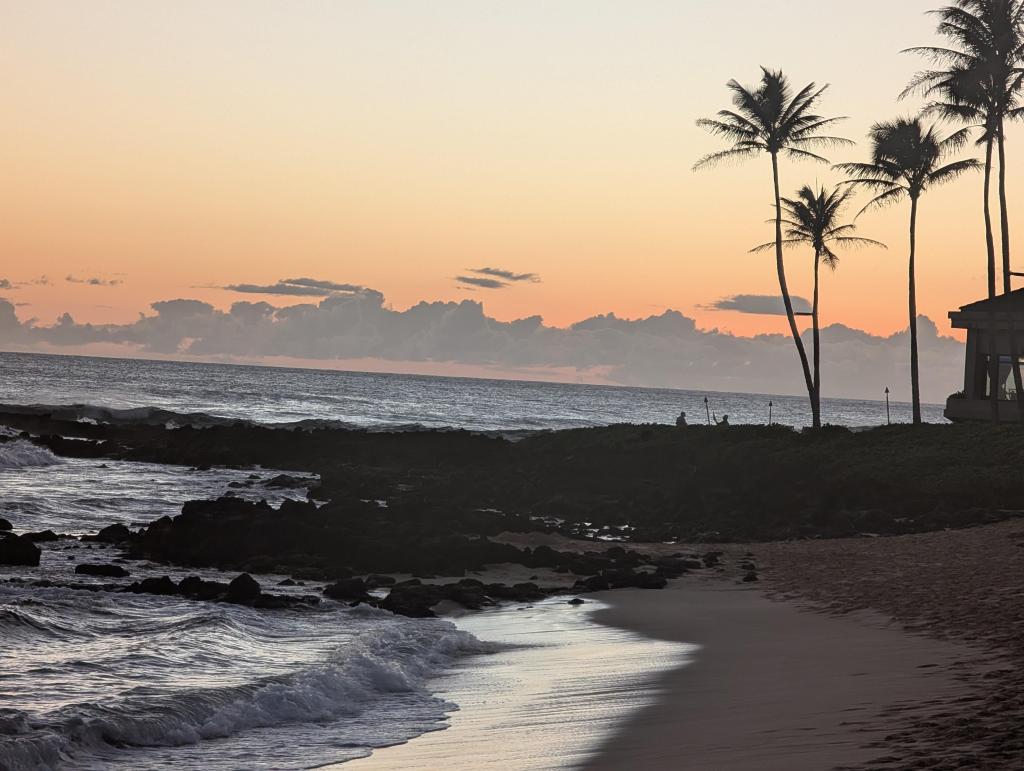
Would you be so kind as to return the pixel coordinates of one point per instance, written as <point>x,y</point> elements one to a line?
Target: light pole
<point>707,409</point>
<point>769,413</point>
<point>888,415</point>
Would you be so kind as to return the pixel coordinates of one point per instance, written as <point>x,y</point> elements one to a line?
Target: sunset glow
<point>169,150</point>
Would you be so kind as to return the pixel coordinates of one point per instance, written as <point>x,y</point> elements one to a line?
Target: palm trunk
<point>816,401</point>
<point>915,384</point>
<point>993,359</point>
<point>989,238</point>
<point>1004,221</point>
<point>1011,329</point>
<point>784,288</point>
<point>1004,217</point>
<point>993,371</point>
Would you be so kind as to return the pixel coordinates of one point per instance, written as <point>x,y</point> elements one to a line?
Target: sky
<point>535,157</point>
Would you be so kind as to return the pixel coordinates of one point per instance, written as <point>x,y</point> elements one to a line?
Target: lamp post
<point>888,416</point>
<point>770,413</point>
<point>707,409</point>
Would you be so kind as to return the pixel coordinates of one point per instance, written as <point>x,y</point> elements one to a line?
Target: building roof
<point>996,313</point>
<point>1004,303</point>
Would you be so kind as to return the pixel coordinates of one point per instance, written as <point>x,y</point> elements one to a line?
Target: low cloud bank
<point>661,351</point>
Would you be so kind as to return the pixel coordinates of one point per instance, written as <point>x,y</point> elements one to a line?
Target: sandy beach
<point>857,653</point>
<point>774,686</point>
<point>771,686</point>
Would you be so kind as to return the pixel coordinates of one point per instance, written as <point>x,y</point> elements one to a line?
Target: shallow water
<point>95,679</point>
<point>547,699</point>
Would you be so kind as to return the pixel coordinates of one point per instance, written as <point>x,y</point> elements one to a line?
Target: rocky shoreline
<point>640,483</point>
<point>432,503</point>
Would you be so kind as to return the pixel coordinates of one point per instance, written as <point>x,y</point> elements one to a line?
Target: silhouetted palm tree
<point>772,119</point>
<point>813,218</point>
<point>981,85</point>
<point>908,159</point>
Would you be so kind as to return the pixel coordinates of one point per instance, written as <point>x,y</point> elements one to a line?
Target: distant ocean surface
<point>381,401</point>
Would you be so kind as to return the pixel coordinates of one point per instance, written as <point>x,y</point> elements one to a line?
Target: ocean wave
<point>397,657</point>
<point>157,416</point>
<point>21,453</point>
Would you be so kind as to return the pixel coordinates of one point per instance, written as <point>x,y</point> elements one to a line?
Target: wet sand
<point>772,686</point>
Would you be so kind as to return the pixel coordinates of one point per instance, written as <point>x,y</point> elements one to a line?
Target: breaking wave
<point>157,416</point>
<point>21,453</point>
<point>392,660</point>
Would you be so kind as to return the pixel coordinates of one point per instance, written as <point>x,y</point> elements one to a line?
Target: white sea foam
<point>21,454</point>
<point>393,658</point>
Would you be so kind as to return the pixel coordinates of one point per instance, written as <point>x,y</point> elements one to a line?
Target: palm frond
<point>734,154</point>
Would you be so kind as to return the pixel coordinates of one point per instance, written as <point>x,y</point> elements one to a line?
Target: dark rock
<point>712,558</point>
<point>415,601</point>
<point>288,481</point>
<point>196,588</point>
<point>286,582</point>
<point>43,536</point>
<point>750,577</point>
<point>576,601</point>
<point>18,550</point>
<point>5,524</point>
<point>272,602</point>
<point>110,571</point>
<point>346,589</point>
<point>163,585</point>
<point>375,581</point>
<point>527,592</point>
<point>243,590</point>
<point>110,534</point>
<point>592,584</point>
<point>748,566</point>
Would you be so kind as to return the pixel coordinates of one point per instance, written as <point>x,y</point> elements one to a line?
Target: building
<point>995,339</point>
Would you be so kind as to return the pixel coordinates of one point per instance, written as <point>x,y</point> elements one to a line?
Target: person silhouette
<point>723,422</point>
<point>681,420</point>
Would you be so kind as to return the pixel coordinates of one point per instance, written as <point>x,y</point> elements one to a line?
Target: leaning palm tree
<point>813,219</point>
<point>981,85</point>
<point>908,159</point>
<point>772,119</point>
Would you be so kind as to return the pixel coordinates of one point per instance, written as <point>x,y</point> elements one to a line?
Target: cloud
<point>495,278</point>
<point>89,281</point>
<point>507,275</point>
<point>319,284</point>
<point>483,283</point>
<point>761,304</point>
<point>665,350</point>
<point>296,287</point>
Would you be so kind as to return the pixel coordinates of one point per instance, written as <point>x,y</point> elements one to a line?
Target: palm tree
<point>813,219</point>
<point>908,159</point>
<point>772,119</point>
<point>981,86</point>
<point>962,95</point>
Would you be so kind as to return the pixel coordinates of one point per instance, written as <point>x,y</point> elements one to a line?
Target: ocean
<point>97,680</point>
<point>286,395</point>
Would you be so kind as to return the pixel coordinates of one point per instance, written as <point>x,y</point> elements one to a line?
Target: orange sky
<point>178,147</point>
